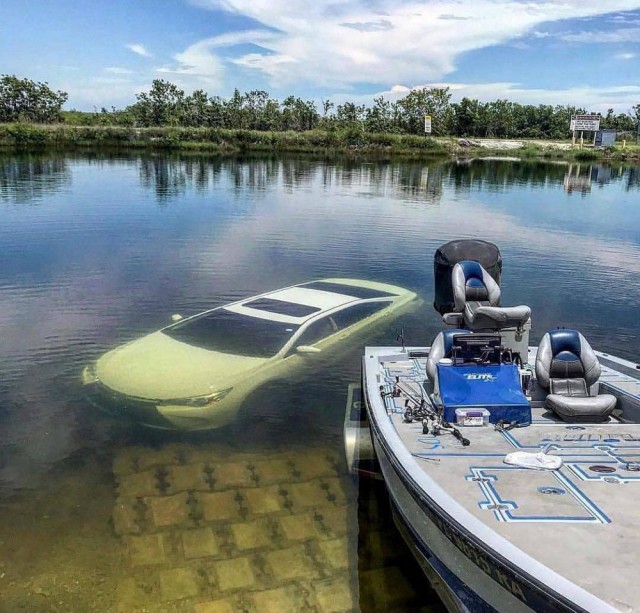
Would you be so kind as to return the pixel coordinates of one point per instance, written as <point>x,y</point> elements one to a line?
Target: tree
<point>162,106</point>
<point>27,100</point>
<point>379,118</point>
<point>432,101</point>
<point>298,114</point>
<point>467,117</point>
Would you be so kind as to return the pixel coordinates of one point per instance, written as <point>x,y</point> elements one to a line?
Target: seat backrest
<point>472,282</point>
<point>566,354</point>
<point>441,348</point>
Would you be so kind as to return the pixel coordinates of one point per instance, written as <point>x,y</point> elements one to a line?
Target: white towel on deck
<point>537,461</point>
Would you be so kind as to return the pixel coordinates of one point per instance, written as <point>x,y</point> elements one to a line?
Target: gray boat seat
<point>567,367</point>
<point>477,297</point>
<point>441,348</point>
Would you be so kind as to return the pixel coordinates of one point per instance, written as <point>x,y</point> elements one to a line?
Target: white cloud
<point>622,35</point>
<point>339,44</point>
<point>199,65</point>
<point>117,70</point>
<point>139,49</point>
<point>625,56</point>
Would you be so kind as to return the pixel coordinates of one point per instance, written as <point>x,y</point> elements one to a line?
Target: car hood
<point>161,368</point>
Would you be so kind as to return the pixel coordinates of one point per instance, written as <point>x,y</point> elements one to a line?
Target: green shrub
<point>586,155</point>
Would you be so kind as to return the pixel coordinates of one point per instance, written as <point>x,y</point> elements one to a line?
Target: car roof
<point>299,303</point>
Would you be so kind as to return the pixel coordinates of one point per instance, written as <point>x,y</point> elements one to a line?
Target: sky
<point>580,52</point>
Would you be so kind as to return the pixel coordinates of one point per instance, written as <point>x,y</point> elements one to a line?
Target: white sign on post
<point>585,123</point>
<point>427,124</point>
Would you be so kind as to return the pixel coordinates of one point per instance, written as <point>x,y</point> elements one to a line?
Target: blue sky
<point>582,52</point>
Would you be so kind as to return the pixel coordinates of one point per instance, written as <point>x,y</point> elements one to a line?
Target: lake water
<point>99,515</point>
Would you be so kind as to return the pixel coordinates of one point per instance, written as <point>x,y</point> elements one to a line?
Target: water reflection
<point>411,180</point>
<point>27,178</point>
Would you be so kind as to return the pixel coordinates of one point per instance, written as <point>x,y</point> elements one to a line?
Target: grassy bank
<point>352,141</point>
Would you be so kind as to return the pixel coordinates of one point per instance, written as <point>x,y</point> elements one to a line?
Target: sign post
<point>584,123</point>
<point>427,124</point>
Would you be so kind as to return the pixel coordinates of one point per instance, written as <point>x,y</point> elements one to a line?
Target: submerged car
<point>195,373</point>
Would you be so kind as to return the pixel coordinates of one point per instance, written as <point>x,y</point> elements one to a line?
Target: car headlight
<point>198,401</point>
<point>89,375</point>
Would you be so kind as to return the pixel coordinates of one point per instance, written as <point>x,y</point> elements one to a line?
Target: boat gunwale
<point>549,583</point>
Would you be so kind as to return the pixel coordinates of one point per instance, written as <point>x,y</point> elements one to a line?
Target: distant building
<point>605,138</point>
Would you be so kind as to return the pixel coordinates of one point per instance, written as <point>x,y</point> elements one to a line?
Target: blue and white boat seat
<point>477,297</point>
<point>568,367</point>
<point>441,348</point>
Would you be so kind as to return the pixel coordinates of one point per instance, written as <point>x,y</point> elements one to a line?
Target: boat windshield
<point>234,333</point>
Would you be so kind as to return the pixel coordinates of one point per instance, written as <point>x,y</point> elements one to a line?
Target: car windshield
<point>229,332</point>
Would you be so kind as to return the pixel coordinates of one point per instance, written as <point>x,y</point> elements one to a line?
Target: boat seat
<point>441,348</point>
<point>477,298</point>
<point>568,368</point>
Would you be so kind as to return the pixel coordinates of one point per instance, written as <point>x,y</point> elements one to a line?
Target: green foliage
<point>27,101</point>
<point>586,155</point>
<point>22,134</point>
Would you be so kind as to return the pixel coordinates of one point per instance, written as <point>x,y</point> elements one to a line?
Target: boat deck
<point>581,521</point>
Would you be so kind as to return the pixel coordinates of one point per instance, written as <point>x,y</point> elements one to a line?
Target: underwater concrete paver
<point>300,527</point>
<point>187,477</point>
<point>335,553</point>
<point>169,510</point>
<point>125,518</point>
<point>311,466</point>
<point>335,519</point>
<point>291,563</point>
<point>199,543</point>
<point>336,596</point>
<point>224,605</point>
<point>234,574</point>
<point>251,535</point>
<point>138,484</point>
<point>306,494</point>
<point>218,506</point>
<point>262,500</point>
<point>273,471</point>
<point>132,592</point>
<point>293,553</point>
<point>279,600</point>
<point>146,549</point>
<point>232,474</point>
<point>179,583</point>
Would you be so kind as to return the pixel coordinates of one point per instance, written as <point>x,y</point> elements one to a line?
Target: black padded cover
<point>448,255</point>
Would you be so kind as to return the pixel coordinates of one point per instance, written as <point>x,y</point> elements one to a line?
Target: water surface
<point>99,250</point>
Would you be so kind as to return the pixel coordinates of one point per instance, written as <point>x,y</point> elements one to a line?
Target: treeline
<point>27,101</point>
<point>166,105</point>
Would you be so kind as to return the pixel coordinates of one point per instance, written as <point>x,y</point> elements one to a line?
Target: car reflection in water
<point>195,374</point>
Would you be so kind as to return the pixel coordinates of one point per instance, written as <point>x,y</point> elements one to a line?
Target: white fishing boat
<point>513,471</point>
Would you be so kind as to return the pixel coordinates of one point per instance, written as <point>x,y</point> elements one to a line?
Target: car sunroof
<point>349,290</point>
<point>282,307</point>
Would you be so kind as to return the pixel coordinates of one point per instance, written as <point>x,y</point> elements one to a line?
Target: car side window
<point>340,320</point>
<point>317,331</point>
<point>352,315</point>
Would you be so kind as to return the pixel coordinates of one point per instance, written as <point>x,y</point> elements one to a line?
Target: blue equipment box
<point>493,387</point>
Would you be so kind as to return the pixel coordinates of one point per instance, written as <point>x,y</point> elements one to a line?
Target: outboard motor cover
<point>493,387</point>
<point>448,255</point>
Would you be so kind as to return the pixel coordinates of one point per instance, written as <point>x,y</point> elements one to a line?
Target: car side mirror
<point>176,317</point>
<point>307,349</point>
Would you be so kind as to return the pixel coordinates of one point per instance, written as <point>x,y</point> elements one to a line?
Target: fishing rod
<point>420,408</point>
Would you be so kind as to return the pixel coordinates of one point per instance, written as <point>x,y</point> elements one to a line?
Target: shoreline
<point>21,137</point>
